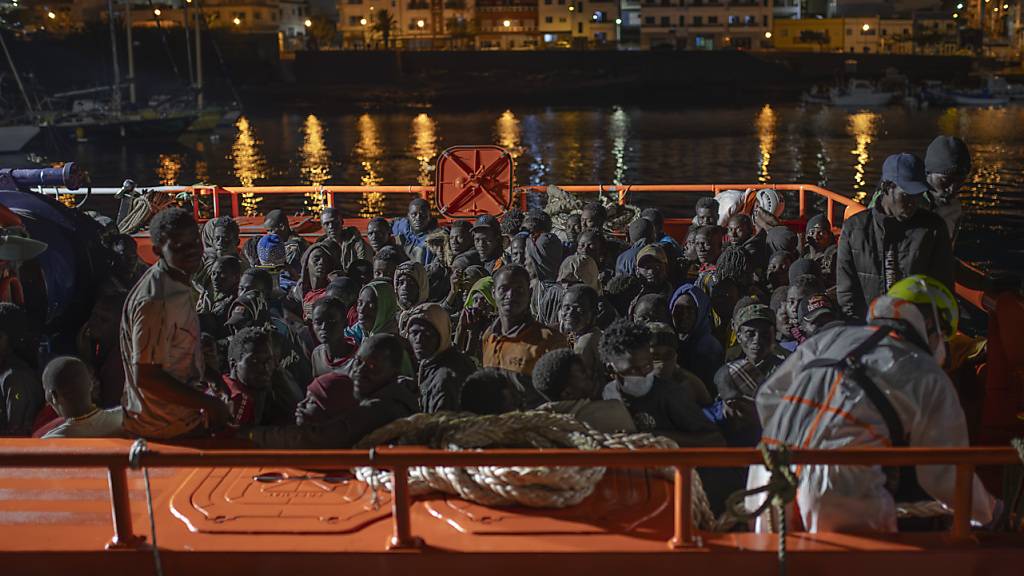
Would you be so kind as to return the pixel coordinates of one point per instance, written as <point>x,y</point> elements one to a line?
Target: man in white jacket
<point>812,404</point>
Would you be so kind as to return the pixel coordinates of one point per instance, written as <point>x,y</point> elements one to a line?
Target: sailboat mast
<point>17,78</point>
<point>116,94</point>
<point>131,51</point>
<point>199,59</point>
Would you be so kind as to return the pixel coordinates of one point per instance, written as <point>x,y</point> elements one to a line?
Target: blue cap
<point>907,172</point>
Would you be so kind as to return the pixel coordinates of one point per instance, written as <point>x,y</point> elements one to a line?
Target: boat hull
<point>135,129</point>
<point>873,100</point>
<point>14,138</point>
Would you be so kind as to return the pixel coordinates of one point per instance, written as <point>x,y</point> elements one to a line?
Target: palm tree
<point>384,25</point>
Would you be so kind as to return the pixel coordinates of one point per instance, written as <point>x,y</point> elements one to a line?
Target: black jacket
<point>441,380</point>
<point>922,247</point>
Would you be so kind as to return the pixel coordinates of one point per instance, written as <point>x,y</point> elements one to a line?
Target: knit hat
<point>271,251</point>
<point>947,155</point>
<point>803,266</point>
<point>654,251</point>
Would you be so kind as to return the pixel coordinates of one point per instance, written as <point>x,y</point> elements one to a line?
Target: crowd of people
<point>743,331</point>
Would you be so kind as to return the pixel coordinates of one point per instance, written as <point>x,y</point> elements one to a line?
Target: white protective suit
<point>817,409</point>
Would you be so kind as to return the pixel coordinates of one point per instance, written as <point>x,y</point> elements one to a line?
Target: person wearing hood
<point>411,290</point>
<point>377,311</point>
<point>782,239</point>
<point>543,260</point>
<point>899,396</point>
<point>295,245</point>
<point>658,406</point>
<point>319,261</point>
<point>477,314</point>
<point>349,242</point>
<point>442,368</point>
<point>947,163</point>
<point>220,238</point>
<point>641,233</point>
<point>382,394</point>
<point>820,246</point>
<point>699,351</point>
<point>412,231</point>
<point>880,246</point>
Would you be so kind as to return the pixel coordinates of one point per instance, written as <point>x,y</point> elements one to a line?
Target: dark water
<point>841,150</point>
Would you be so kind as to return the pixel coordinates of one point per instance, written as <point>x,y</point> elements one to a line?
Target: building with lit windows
<point>578,23</point>
<point>507,24</point>
<point>808,34</point>
<point>706,24</point>
<point>417,24</point>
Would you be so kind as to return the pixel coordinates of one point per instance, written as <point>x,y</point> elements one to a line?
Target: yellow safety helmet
<point>921,289</point>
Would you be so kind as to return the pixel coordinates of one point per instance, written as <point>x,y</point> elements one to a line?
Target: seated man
<point>515,341</point>
<point>349,242</point>
<point>657,406</point>
<point>817,313</point>
<point>336,350</point>
<point>385,263</point>
<point>442,368</point>
<point>641,233</point>
<point>21,393</point>
<point>248,383</point>
<point>383,396</point>
<point>163,360</point>
<point>741,234</point>
<point>491,391</point>
<point>378,232</point>
<point>295,245</point>
<point>899,396</point>
<point>68,385</point>
<point>488,242</point>
<point>411,231</point>
<point>577,320</point>
<point>666,363</point>
<point>214,305</point>
<point>738,381</point>
<point>561,379</point>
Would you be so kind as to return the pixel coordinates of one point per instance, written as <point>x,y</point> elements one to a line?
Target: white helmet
<point>771,202</point>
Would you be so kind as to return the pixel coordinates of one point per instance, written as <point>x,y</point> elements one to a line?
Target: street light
<point>308,22</point>
<point>866,27</point>
<point>618,20</point>
<point>960,6</point>
<point>955,16</point>
<point>572,8</point>
<point>420,23</point>
<point>51,15</point>
<point>237,21</point>
<point>507,23</point>
<point>768,35</point>
<point>157,12</point>
<point>362,21</point>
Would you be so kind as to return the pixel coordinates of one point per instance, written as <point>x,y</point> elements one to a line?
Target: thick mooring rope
<point>531,486</point>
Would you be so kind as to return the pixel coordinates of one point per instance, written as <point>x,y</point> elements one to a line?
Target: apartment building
<point>808,34</point>
<point>417,24</point>
<point>507,24</point>
<point>706,24</point>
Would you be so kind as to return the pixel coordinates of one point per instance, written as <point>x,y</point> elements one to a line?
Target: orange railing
<point>235,192</point>
<point>399,460</point>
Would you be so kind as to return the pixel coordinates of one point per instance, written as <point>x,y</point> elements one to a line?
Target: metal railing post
<point>195,203</point>
<point>962,501</point>
<point>803,203</point>
<point>121,509</point>
<point>234,204</point>
<point>216,203</point>
<point>683,508</point>
<point>402,537</point>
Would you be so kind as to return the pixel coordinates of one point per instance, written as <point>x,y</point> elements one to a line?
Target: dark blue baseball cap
<point>907,172</point>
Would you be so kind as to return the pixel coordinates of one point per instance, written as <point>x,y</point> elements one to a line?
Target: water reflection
<point>508,133</point>
<point>316,162</point>
<point>168,170</point>
<point>249,164</point>
<point>368,153</point>
<point>618,130</point>
<point>424,147</point>
<point>765,122</point>
<point>569,150</point>
<point>862,126</point>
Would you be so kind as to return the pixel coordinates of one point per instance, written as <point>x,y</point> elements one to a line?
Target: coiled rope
<point>531,486</point>
<point>143,208</point>
<point>139,447</point>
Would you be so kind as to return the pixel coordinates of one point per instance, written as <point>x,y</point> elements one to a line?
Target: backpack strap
<point>853,371</point>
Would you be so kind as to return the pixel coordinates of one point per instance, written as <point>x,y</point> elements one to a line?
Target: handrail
<point>400,459</point>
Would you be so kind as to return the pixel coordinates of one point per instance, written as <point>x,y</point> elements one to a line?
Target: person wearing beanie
<point>820,246</point>
<point>947,164</point>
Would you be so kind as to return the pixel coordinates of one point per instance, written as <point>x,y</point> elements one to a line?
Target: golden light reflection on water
<point>424,147</point>
<point>509,133</point>
<point>368,153</point>
<point>316,162</point>
<point>249,163</point>
<point>766,123</point>
<point>569,148</point>
<point>862,126</point>
<point>618,130</point>
<point>168,170</point>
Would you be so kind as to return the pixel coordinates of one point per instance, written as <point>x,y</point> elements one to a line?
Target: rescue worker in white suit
<point>816,401</point>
